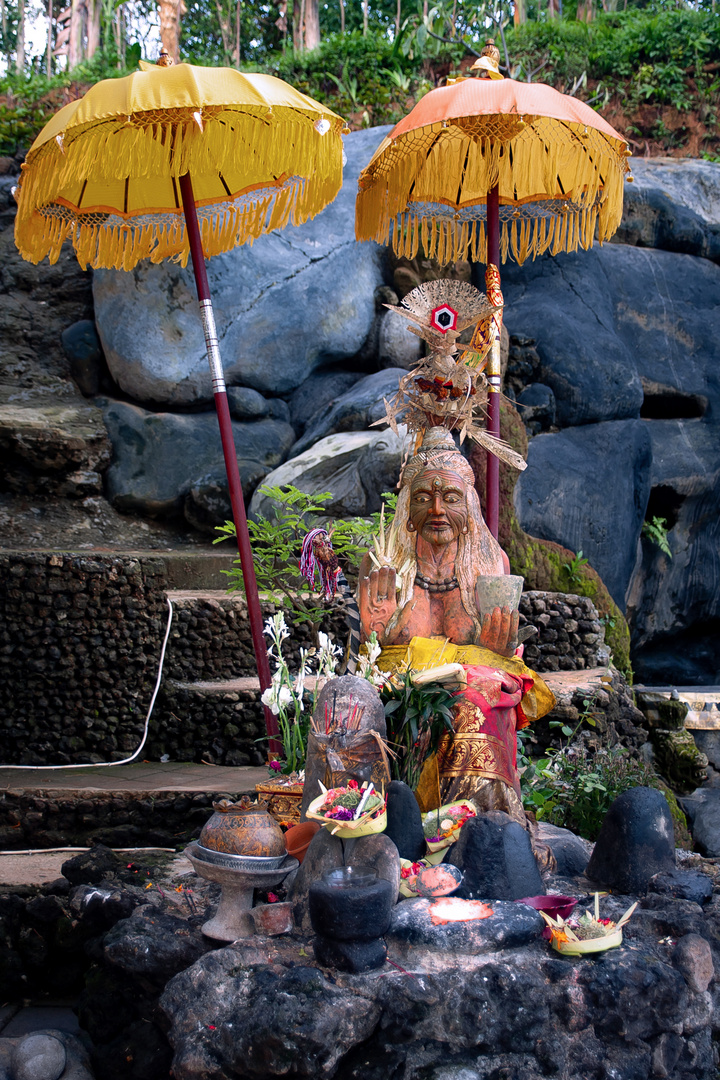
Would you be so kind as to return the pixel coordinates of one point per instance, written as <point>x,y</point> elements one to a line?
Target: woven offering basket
<point>374,821</point>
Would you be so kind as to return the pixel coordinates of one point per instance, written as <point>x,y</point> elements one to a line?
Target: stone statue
<point>420,601</point>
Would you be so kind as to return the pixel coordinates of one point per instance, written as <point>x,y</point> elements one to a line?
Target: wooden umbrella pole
<point>492,485</point>
<point>231,466</point>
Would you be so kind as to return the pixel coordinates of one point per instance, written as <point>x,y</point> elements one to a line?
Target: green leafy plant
<point>574,787</point>
<point>574,567</point>
<point>656,530</point>
<point>276,545</point>
<point>417,718</point>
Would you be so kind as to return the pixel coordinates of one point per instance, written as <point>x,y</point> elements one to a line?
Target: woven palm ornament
<point>105,169</point>
<point>448,386</point>
<point>559,166</point>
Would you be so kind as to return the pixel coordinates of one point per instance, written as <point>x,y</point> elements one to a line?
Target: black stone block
<point>496,858</point>
<point>404,821</point>
<point>636,841</point>
<point>353,956</point>
<point>352,914</point>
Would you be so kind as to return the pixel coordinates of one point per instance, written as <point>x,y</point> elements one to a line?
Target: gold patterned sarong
<point>502,696</point>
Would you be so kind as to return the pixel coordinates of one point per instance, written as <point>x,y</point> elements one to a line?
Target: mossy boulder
<point>678,760</point>
<point>544,564</point>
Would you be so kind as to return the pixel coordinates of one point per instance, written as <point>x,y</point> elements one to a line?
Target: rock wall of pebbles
<point>80,644</point>
<point>80,641</point>
<point>57,818</point>
<point>570,635</point>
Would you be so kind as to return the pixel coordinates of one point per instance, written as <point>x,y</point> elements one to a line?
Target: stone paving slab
<point>144,776</point>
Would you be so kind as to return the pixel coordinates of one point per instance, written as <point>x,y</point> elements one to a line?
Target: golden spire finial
<point>488,62</point>
<point>165,59</point>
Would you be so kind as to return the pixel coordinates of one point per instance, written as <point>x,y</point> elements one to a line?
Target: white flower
<point>373,651</point>
<point>268,699</point>
<point>285,696</point>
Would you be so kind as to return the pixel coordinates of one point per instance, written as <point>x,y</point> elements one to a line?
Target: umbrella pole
<point>493,372</point>
<point>231,466</point>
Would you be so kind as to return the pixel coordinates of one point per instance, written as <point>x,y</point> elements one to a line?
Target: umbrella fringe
<point>55,179</point>
<point>426,166</point>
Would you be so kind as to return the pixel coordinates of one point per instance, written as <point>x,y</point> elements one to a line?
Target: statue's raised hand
<point>499,631</point>
<point>378,599</point>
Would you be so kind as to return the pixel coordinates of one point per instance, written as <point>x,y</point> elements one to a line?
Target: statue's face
<point>438,506</point>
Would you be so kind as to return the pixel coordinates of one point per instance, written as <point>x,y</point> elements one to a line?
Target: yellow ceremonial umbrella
<point>486,168</point>
<point>174,160</point>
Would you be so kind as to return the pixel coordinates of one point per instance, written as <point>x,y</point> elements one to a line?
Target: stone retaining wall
<point>570,635</point>
<point>80,642</point>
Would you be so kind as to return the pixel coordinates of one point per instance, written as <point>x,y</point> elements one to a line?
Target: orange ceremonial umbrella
<point>172,161</point>
<point>487,168</point>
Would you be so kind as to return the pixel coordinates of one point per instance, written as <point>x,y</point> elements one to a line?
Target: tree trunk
<point>365,17</point>
<point>93,30</point>
<point>236,52</point>
<point>312,24</point>
<point>299,25</point>
<point>170,27</point>
<point>342,16</point>
<point>20,47</point>
<point>398,11</point>
<point>520,13</point>
<point>75,42</point>
<point>48,58</point>
<point>224,22</point>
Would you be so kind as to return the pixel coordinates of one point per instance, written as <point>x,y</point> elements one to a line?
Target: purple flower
<point>276,766</point>
<point>340,813</point>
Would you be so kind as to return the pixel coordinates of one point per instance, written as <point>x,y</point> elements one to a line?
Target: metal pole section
<point>228,445</point>
<point>492,486</point>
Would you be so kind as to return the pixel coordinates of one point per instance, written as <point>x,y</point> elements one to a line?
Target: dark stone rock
<point>352,956</point>
<point>207,503</point>
<point>318,392</point>
<point>682,884</point>
<point>324,853</point>
<point>599,508</point>
<point>571,852</point>
<point>566,303</point>
<point>703,812</point>
<point>693,958</point>
<point>275,320</point>
<point>355,410</point>
<point>378,852</point>
<point>58,887</point>
<point>152,945</point>
<point>84,351</point>
<point>708,743</point>
<point>674,604</point>
<point>39,1057</point>
<point>90,867</point>
<point>340,695</point>
<point>536,405</point>
<point>509,926</point>
<point>672,205</point>
<point>354,914</point>
<point>160,457</point>
<point>635,842</point>
<point>264,1020</point>
<point>404,821</point>
<point>356,467</point>
<point>101,908</point>
<point>45,909</point>
<point>246,404</point>
<point>495,855</point>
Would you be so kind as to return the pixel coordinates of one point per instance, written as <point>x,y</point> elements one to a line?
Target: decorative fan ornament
<point>448,385</point>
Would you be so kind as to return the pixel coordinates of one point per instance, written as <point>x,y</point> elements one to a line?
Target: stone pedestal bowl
<point>239,876</point>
